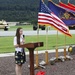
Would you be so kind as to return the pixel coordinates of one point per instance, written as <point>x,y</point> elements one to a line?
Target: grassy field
<point>25,27</point>
<point>6,44</point>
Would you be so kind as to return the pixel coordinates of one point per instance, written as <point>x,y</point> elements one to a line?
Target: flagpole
<point>68,1</point>
<point>65,41</point>
<point>37,62</point>
<point>46,38</point>
<point>42,0</point>
<point>57,46</point>
<point>65,48</point>
<point>46,52</point>
<point>59,0</point>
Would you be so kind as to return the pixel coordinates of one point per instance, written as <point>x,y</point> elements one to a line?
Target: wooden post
<point>65,53</point>
<point>46,57</point>
<point>56,53</point>
<point>57,46</point>
<point>46,52</point>
<point>65,48</point>
<point>46,38</point>
<point>31,56</point>
<point>37,61</point>
<point>37,58</point>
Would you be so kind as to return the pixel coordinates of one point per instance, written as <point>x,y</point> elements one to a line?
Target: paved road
<point>51,32</point>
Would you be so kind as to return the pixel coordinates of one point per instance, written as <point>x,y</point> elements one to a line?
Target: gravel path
<point>7,66</point>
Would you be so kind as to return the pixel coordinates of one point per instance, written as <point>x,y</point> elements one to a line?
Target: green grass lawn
<point>25,27</point>
<point>6,43</point>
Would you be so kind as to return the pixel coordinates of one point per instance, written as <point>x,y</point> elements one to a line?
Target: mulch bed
<point>7,66</point>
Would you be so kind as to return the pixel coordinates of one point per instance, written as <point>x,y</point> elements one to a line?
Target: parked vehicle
<point>35,27</point>
<point>72,27</point>
<point>4,25</point>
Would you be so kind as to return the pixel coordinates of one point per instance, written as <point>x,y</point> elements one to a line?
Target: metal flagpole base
<point>60,59</point>
<point>42,65</point>
<point>39,66</point>
<point>53,60</point>
<point>69,57</point>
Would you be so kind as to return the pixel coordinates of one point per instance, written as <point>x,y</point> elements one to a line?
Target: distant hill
<point>21,10</point>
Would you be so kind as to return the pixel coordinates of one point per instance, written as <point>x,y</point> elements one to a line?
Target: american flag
<point>47,17</point>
